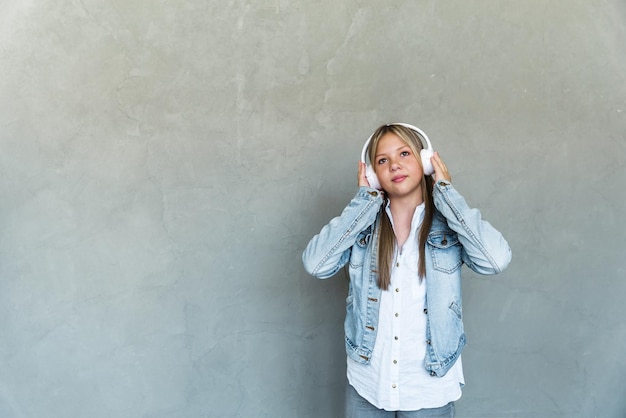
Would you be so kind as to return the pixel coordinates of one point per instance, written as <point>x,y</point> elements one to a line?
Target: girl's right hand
<point>362,179</point>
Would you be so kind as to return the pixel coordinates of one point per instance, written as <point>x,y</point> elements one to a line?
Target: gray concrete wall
<point>163,164</point>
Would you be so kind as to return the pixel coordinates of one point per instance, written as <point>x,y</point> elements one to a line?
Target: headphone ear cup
<point>371,177</point>
<point>427,165</point>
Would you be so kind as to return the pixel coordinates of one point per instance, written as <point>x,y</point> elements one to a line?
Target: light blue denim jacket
<point>458,235</point>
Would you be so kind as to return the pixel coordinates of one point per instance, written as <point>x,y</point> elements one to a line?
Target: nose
<point>394,166</point>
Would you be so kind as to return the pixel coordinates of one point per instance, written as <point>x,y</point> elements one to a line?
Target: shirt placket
<point>394,395</point>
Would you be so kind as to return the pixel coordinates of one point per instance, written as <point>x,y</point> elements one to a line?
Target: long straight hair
<point>386,235</point>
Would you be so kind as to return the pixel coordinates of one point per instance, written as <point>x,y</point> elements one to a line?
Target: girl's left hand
<point>441,171</point>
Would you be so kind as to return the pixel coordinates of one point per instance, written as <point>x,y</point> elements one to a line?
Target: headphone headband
<point>421,134</point>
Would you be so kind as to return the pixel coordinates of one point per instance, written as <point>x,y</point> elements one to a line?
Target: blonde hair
<point>386,236</point>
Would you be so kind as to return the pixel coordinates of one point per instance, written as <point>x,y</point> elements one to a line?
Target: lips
<point>398,179</point>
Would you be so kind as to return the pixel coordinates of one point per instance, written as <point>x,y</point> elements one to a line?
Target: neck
<point>402,210</point>
<point>406,204</point>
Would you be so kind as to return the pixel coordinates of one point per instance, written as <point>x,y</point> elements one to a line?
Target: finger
<point>439,160</point>
<point>437,163</point>
<point>443,165</point>
<point>441,170</point>
<point>362,178</point>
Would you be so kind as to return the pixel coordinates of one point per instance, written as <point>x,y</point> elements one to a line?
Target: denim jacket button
<point>373,193</point>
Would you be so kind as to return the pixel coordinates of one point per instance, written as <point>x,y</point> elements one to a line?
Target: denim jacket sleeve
<point>484,248</point>
<point>329,251</point>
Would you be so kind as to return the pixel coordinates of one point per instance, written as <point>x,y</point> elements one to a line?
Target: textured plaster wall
<point>164,163</point>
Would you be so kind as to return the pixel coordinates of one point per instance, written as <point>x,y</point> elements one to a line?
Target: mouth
<point>398,179</point>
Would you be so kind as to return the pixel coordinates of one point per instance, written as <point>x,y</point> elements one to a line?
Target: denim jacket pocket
<point>357,256</point>
<point>445,250</point>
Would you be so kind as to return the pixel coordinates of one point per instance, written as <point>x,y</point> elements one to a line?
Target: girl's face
<point>398,169</point>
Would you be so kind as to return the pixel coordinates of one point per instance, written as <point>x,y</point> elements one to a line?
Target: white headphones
<point>425,154</point>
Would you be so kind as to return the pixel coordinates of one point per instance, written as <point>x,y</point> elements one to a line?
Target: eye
<point>405,153</point>
<point>382,161</point>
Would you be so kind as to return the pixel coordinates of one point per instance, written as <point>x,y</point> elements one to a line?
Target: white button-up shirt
<point>395,379</point>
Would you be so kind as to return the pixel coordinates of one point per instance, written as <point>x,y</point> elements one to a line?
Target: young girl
<point>404,245</point>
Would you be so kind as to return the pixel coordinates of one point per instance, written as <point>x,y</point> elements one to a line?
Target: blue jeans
<point>357,407</point>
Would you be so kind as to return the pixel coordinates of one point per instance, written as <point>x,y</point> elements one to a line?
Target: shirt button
<point>397,314</point>
<point>395,362</point>
<point>428,342</point>
<point>373,193</point>
<point>426,310</point>
<point>393,386</point>
<point>397,290</point>
<point>395,338</point>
